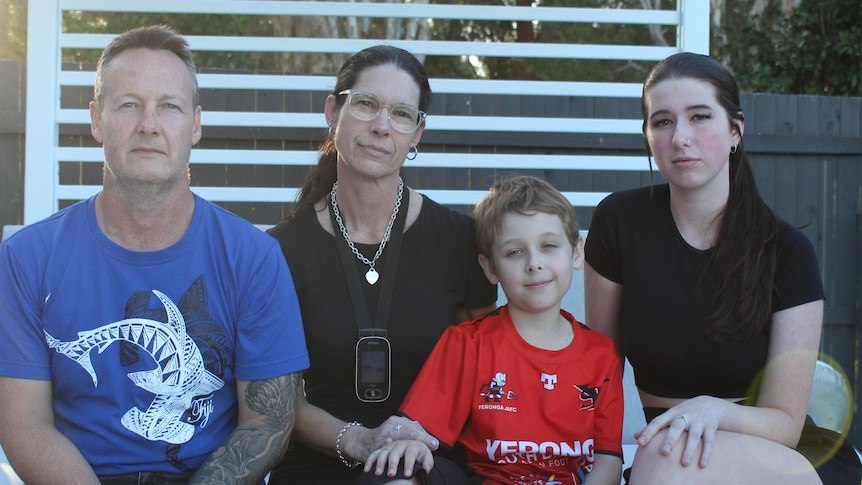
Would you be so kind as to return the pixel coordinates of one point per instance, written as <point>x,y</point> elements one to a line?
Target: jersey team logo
<point>589,395</point>
<point>494,390</point>
<point>549,381</point>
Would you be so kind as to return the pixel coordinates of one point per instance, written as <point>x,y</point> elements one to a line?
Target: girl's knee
<point>650,465</point>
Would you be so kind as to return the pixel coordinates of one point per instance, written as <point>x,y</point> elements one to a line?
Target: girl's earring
<point>733,148</point>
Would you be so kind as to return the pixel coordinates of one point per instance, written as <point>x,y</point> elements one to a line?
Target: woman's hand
<point>411,451</point>
<point>699,417</point>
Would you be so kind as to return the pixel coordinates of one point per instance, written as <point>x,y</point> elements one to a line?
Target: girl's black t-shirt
<point>634,241</point>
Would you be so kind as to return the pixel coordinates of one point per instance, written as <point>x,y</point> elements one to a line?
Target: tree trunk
<point>524,32</point>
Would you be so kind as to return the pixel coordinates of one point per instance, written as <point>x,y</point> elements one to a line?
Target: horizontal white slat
<point>501,161</point>
<point>531,161</point>
<point>534,125</point>
<point>217,194</point>
<point>536,88</point>
<point>281,82</point>
<point>417,47</point>
<point>242,194</point>
<point>438,85</point>
<point>386,10</point>
<point>470,197</point>
<point>206,155</point>
<point>75,192</point>
<point>456,123</point>
<point>288,194</point>
<point>224,118</point>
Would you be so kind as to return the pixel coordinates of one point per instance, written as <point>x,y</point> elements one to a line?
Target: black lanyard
<point>387,283</point>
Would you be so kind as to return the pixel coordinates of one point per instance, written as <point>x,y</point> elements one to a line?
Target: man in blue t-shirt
<point>148,336</point>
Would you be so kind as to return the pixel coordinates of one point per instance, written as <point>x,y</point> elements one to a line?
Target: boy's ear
<point>578,254</point>
<point>488,267</point>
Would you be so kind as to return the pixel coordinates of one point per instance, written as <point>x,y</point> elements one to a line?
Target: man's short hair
<point>156,37</point>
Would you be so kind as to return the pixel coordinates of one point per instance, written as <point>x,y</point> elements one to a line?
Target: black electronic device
<point>373,368</point>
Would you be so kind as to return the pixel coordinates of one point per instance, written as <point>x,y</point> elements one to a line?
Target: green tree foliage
<point>114,22</point>
<point>610,34</point>
<point>549,33</point>
<point>13,33</point>
<point>13,29</point>
<point>817,49</point>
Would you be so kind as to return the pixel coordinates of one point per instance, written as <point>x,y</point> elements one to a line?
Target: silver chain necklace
<point>371,276</point>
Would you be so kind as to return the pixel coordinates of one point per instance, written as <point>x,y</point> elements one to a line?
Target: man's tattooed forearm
<point>255,447</point>
<point>275,398</point>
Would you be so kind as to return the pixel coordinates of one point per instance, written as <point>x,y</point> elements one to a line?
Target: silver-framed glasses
<point>366,107</point>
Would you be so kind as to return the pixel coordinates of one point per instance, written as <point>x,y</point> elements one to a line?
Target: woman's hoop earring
<point>330,131</point>
<point>733,148</point>
<point>415,151</point>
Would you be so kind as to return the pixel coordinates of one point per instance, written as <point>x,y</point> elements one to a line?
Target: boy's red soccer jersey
<point>524,415</point>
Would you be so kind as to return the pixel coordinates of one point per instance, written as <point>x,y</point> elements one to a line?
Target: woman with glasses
<point>380,271</point>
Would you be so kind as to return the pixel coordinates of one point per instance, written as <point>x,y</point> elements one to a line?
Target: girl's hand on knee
<point>695,420</point>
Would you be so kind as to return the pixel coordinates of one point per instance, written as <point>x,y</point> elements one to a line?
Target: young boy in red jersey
<point>531,395</point>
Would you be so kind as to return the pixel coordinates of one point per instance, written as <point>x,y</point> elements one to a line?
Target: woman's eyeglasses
<point>366,107</point>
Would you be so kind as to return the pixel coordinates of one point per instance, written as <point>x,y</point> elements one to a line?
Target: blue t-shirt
<point>144,348</point>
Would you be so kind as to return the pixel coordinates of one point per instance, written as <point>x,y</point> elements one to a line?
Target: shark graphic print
<point>182,381</point>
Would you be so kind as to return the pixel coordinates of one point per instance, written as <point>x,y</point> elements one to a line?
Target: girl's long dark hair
<point>320,180</point>
<point>741,270</point>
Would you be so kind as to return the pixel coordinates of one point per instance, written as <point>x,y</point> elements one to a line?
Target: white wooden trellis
<point>45,78</point>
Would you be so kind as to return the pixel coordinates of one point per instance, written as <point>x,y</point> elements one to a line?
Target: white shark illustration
<point>179,376</point>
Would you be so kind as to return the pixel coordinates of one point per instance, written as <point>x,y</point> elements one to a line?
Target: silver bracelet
<point>348,464</point>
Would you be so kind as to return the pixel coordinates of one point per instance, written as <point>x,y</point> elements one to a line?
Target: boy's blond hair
<point>521,194</point>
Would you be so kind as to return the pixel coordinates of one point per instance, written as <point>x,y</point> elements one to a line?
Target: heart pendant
<point>371,276</point>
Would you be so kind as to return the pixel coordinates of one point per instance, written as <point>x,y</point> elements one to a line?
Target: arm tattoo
<point>255,447</point>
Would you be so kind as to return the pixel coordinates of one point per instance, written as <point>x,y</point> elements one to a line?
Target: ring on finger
<point>397,428</point>
<point>684,420</point>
